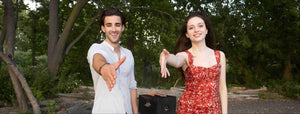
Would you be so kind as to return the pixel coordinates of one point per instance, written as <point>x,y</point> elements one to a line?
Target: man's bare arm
<point>106,70</point>
<point>133,94</point>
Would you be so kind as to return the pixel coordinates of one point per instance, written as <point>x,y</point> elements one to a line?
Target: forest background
<point>46,48</point>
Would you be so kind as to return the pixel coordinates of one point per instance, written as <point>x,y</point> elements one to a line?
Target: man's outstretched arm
<point>106,70</point>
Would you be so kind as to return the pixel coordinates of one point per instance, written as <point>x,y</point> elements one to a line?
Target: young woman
<point>203,67</point>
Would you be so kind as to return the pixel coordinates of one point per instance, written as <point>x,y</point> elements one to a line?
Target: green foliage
<point>256,36</point>
<point>288,89</point>
<point>291,90</point>
<point>67,83</point>
<point>21,58</point>
<point>25,112</point>
<point>37,76</point>
<point>38,94</point>
<point>50,107</point>
<point>230,85</point>
<point>234,75</point>
<point>262,96</point>
<point>6,87</point>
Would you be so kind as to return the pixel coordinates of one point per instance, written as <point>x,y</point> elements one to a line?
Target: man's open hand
<point>109,74</point>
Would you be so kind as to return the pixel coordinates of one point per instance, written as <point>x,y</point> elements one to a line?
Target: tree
<point>57,43</point>
<point>259,37</point>
<point>151,26</point>
<point>18,80</point>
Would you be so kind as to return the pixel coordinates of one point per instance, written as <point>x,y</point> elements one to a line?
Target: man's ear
<point>102,28</point>
<point>123,27</point>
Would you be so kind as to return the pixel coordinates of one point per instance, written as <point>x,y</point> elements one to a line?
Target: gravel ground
<point>273,106</point>
<point>234,107</point>
<point>237,103</point>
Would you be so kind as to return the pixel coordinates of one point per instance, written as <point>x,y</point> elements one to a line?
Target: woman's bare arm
<point>222,85</point>
<point>176,61</point>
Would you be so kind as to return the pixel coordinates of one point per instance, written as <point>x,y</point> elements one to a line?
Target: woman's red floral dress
<point>201,88</point>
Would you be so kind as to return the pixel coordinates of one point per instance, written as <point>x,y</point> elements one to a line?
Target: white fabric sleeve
<point>133,83</point>
<point>94,49</point>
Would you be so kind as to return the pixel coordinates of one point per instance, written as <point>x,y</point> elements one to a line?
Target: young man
<point>112,68</point>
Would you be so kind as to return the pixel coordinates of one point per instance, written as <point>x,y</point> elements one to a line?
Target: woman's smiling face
<point>196,29</point>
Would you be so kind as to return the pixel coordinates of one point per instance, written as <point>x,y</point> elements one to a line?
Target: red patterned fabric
<point>201,88</point>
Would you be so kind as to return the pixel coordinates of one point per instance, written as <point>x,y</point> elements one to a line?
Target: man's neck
<point>116,47</point>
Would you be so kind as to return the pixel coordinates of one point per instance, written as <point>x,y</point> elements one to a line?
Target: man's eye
<point>118,25</point>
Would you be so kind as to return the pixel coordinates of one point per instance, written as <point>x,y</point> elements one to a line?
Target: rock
<point>83,108</point>
<point>89,89</point>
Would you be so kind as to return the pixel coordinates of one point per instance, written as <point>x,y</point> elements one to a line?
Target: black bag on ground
<point>154,104</point>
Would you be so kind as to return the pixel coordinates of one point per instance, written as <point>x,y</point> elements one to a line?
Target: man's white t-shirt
<point>118,100</point>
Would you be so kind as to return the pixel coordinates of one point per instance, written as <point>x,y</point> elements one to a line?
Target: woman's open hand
<point>163,63</point>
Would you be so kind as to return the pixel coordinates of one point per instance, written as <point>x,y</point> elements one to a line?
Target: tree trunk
<point>287,59</point>
<point>16,76</point>
<point>53,34</point>
<point>2,36</point>
<point>14,70</point>
<point>33,40</point>
<point>56,47</point>
<point>287,68</point>
<point>130,38</point>
<point>10,39</point>
<point>10,30</point>
<point>130,43</point>
<point>18,90</point>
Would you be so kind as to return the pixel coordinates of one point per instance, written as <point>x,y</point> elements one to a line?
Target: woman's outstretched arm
<point>176,61</point>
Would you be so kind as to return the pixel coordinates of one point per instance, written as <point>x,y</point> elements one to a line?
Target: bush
<point>6,87</point>
<point>291,90</point>
<point>68,83</point>
<point>38,78</point>
<point>287,89</point>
